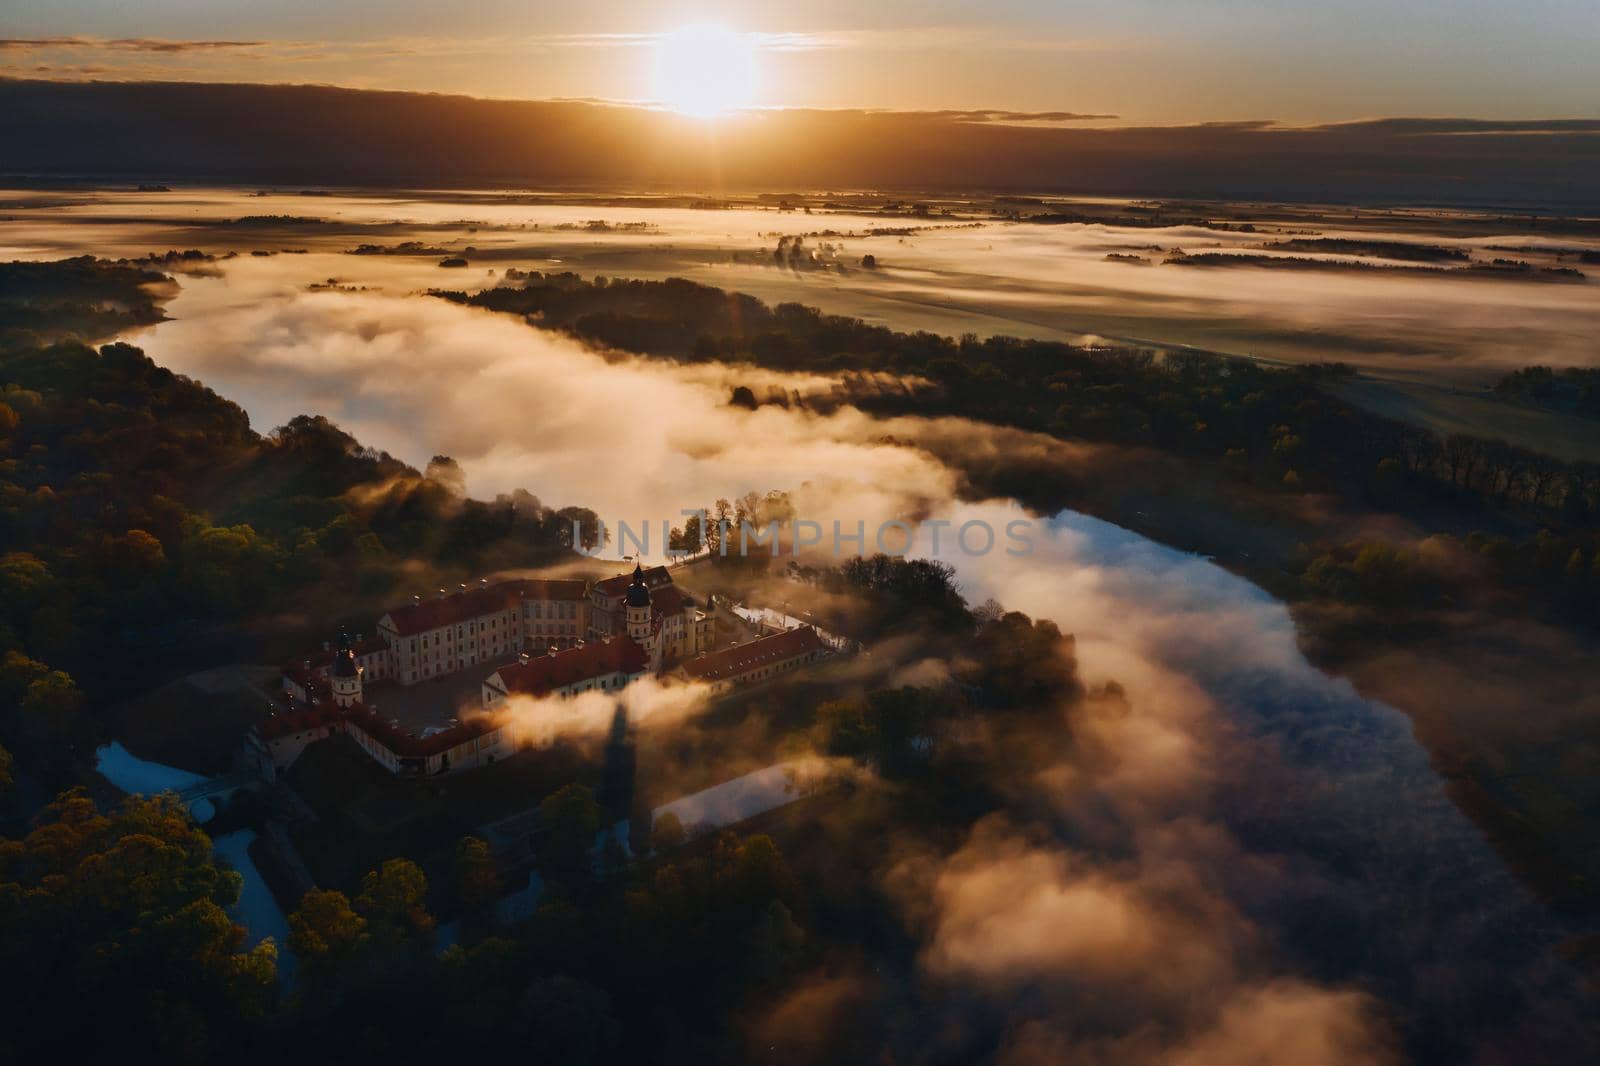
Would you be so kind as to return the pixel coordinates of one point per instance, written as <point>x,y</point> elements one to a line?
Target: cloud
<point>950,37</point>
<point>1011,914</point>
<point>125,44</point>
<point>1289,1021</point>
<point>510,404</point>
<point>1449,126</point>
<point>650,704</point>
<point>992,115</point>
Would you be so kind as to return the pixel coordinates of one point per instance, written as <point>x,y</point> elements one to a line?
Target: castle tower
<point>637,610</point>
<point>344,676</point>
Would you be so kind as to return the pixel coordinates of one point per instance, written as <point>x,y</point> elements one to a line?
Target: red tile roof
<point>552,588</point>
<point>742,658</point>
<point>298,721</point>
<point>668,600</point>
<point>324,657</point>
<point>654,578</point>
<point>364,718</point>
<point>306,679</point>
<point>459,607</point>
<point>547,673</point>
<point>411,746</point>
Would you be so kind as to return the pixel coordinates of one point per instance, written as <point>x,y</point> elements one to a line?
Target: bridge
<point>219,787</point>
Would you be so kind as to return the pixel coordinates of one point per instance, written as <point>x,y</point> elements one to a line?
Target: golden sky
<point>1152,61</point>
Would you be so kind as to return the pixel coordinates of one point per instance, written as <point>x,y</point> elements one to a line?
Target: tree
<point>326,934</point>
<point>571,1021</point>
<point>477,879</point>
<point>53,696</point>
<point>50,720</point>
<point>990,611</point>
<point>1388,480</point>
<point>667,834</point>
<point>1575,570</point>
<point>687,539</point>
<point>132,558</point>
<point>17,672</point>
<point>582,520</point>
<point>447,472</point>
<point>392,901</point>
<point>569,820</point>
<point>125,911</point>
<point>25,580</point>
<point>717,525</point>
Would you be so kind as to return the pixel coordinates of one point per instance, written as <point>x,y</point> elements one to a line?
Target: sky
<point>1143,61</point>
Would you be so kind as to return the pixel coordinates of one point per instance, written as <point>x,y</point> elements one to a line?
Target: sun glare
<point>705,70</point>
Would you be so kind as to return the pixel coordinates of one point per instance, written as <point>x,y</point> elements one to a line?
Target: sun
<point>705,70</point>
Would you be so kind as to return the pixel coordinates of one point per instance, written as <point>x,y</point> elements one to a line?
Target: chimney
<point>461,587</point>
<point>483,582</point>
<point>416,601</point>
<point>523,658</point>
<point>552,649</point>
<point>441,593</point>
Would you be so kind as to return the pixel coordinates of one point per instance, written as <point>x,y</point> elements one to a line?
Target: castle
<point>436,637</point>
<point>566,638</point>
<point>339,706</point>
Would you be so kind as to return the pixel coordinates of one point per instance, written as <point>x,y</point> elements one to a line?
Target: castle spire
<point>344,673</point>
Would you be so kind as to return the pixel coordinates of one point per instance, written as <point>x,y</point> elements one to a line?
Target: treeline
<point>619,962</point>
<point>1573,389</point>
<point>140,513</point>
<point>1010,663</point>
<point>890,595</point>
<point>1279,428</point>
<point>1498,474</point>
<point>82,297</point>
<point>1559,571</point>
<point>125,912</point>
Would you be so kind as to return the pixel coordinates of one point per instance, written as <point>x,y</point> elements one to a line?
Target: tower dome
<point>638,594</point>
<point>344,662</point>
<point>637,609</point>
<point>344,675</point>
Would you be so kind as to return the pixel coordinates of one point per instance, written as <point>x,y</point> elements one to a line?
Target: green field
<point>1447,409</point>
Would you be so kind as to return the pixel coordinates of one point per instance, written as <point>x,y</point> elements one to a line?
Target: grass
<point>1445,410</point>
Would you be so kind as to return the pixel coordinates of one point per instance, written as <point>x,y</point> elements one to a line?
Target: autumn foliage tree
<point>125,912</point>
